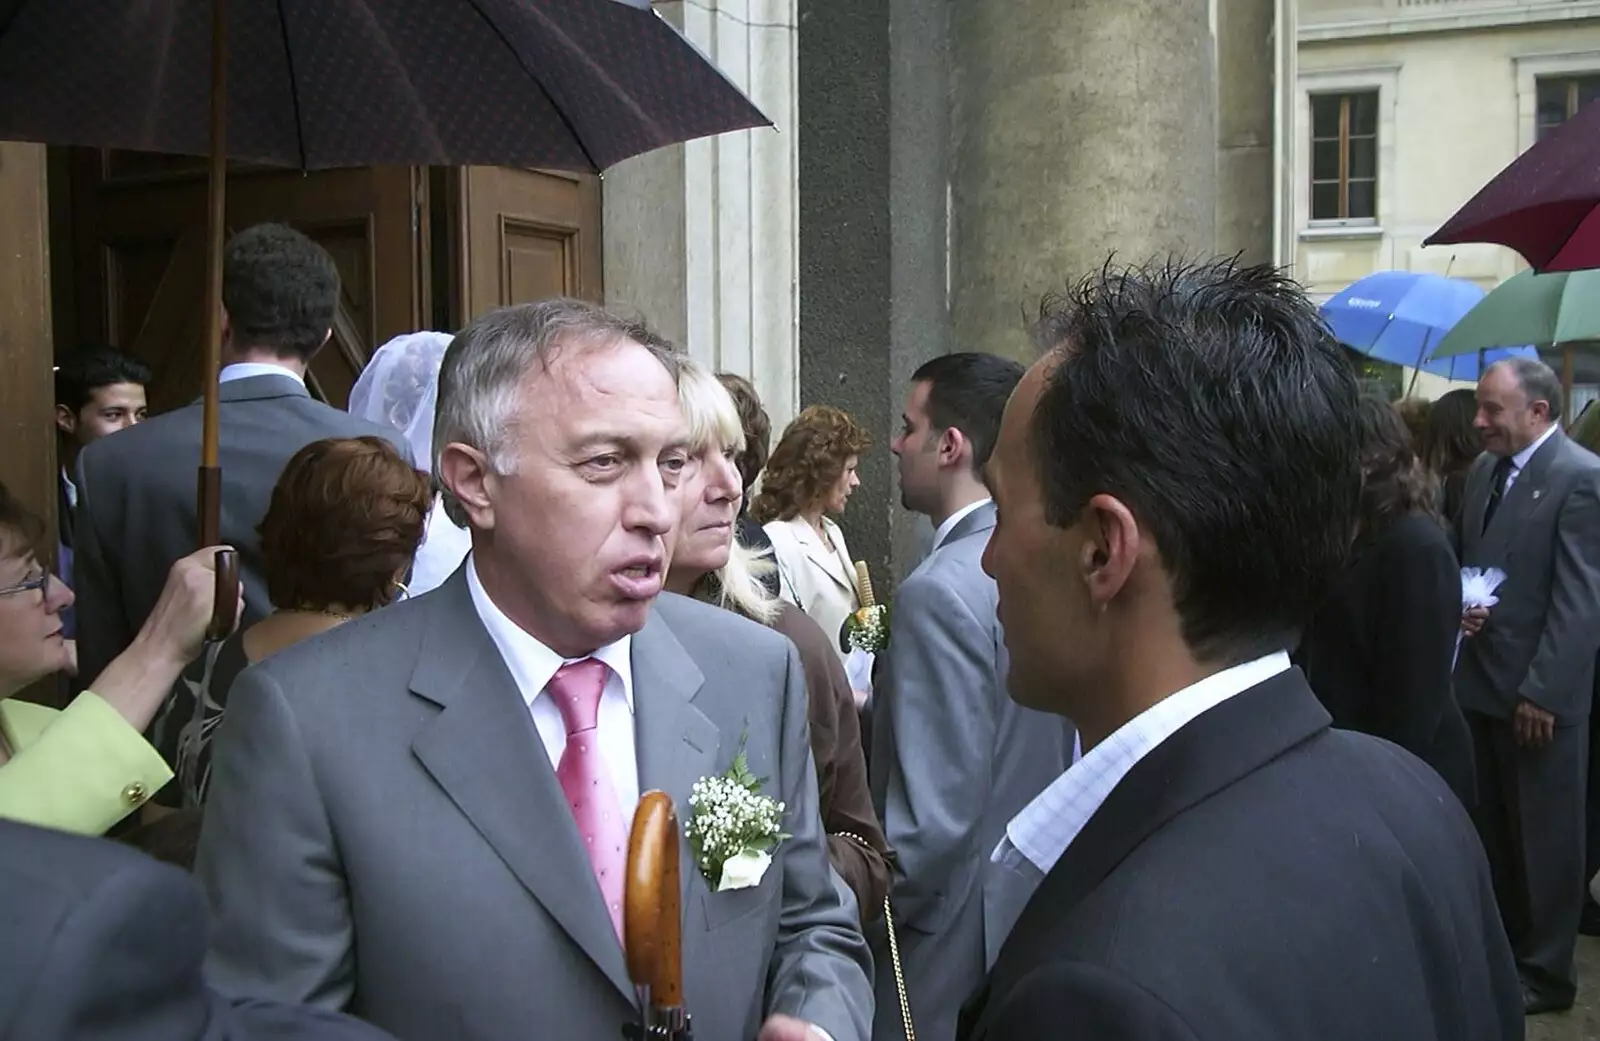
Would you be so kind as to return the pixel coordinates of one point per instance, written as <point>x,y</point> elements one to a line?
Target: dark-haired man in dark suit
<point>1177,482</point>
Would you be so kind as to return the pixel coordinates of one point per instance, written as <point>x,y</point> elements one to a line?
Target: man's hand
<point>787,1028</point>
<point>1532,725</point>
<point>177,624</point>
<point>1472,620</point>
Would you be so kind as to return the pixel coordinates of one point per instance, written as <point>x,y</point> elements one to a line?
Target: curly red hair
<point>808,461</point>
<point>346,518</point>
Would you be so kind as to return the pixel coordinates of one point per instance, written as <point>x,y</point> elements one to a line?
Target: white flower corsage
<point>868,628</point>
<point>733,828</point>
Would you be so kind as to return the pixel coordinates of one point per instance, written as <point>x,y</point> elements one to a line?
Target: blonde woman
<point>810,475</point>
<point>709,563</point>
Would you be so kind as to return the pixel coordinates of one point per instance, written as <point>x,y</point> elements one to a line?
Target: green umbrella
<point>1542,310</point>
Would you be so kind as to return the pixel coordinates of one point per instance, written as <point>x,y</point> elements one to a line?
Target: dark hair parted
<point>809,459</point>
<point>22,532</point>
<point>756,423</point>
<point>969,391</point>
<point>345,520</point>
<point>92,366</point>
<point>1393,481</point>
<point>1212,401</point>
<point>281,290</point>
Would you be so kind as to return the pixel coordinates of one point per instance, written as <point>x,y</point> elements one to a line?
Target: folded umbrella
<point>1545,205</point>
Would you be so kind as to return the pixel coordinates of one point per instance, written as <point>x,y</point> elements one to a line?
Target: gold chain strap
<point>894,948</point>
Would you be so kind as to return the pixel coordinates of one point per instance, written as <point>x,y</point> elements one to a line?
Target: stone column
<point>1081,128</point>
<point>701,238</point>
<point>1246,89</point>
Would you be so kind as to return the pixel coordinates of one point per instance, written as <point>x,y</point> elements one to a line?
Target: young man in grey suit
<point>1525,679</point>
<point>100,943</point>
<point>422,816</point>
<point>136,492</point>
<point>953,757</point>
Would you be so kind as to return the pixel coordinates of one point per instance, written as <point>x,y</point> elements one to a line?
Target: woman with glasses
<point>345,520</point>
<point>86,767</point>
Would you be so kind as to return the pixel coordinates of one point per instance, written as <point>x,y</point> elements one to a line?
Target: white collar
<point>243,370</point>
<point>1048,825</point>
<point>1521,459</point>
<point>71,489</point>
<point>531,663</point>
<point>950,522</point>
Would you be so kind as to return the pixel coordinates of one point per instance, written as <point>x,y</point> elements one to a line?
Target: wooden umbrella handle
<point>651,921</point>
<point>225,606</point>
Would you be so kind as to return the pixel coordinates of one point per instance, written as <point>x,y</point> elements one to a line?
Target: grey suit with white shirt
<point>385,834</point>
<point>953,760</point>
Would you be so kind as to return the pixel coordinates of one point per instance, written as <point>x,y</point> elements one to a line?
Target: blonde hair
<point>713,421</point>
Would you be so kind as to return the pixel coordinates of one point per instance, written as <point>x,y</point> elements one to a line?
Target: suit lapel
<point>1523,495</point>
<point>485,752</point>
<point>677,744</point>
<point>830,563</point>
<point>1212,752</point>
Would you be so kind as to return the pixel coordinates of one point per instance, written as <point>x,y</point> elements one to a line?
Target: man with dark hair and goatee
<point>1177,484</point>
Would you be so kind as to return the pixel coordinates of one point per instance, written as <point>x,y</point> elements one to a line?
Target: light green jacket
<point>79,769</point>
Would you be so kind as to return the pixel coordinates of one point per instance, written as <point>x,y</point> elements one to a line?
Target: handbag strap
<point>894,948</point>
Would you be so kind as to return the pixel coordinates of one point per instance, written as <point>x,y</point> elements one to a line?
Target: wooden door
<point>520,236</point>
<point>138,225</point>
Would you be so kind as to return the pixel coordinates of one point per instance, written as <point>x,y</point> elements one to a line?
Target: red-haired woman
<point>345,520</point>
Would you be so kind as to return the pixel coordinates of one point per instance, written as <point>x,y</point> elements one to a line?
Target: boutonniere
<point>867,629</point>
<point>733,828</point>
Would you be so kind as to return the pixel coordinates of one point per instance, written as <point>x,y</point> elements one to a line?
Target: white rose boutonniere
<point>733,828</point>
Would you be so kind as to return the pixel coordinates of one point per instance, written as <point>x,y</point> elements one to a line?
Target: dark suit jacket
<point>1260,876</point>
<point>136,501</point>
<point>1540,640</point>
<point>100,943</point>
<point>1380,650</point>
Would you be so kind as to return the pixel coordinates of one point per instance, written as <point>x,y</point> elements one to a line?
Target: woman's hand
<point>177,624</point>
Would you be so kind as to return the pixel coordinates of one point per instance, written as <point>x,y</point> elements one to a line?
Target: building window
<point>1344,156</point>
<point>1560,98</point>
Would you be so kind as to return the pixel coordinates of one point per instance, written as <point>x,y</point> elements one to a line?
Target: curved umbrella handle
<point>225,608</point>
<point>651,922</point>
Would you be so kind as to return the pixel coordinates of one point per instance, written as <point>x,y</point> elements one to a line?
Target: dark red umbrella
<point>1545,205</point>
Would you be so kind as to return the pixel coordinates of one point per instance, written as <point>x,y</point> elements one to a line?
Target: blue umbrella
<point>1470,366</point>
<point>1399,316</point>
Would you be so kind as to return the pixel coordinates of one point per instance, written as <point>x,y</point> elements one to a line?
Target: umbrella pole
<point>210,476</point>
<point>1566,382</point>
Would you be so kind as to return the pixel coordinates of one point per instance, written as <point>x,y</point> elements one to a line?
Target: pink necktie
<point>586,781</point>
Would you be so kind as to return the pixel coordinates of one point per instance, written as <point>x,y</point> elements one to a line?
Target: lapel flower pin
<point>733,828</point>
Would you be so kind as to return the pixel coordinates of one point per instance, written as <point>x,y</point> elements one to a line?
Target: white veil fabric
<point>399,388</point>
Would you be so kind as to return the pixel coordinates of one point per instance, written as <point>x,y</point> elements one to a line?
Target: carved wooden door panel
<point>139,255</point>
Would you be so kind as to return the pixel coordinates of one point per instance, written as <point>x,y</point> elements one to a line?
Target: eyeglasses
<point>41,582</point>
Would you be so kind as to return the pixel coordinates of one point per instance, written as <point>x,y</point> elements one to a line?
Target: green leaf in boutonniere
<point>733,829</point>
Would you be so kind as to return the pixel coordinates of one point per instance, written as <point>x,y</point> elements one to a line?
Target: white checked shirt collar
<point>243,370</point>
<point>532,664</point>
<point>951,521</point>
<point>1044,829</point>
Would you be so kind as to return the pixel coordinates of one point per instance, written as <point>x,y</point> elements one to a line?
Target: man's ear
<point>953,447</point>
<point>466,472</point>
<point>1111,550</point>
<point>66,420</point>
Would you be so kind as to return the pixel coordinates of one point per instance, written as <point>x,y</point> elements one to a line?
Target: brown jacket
<point>856,845</point>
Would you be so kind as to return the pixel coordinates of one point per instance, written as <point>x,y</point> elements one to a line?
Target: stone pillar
<point>1081,128</point>
<point>27,389</point>
<point>1246,108</point>
<point>700,238</point>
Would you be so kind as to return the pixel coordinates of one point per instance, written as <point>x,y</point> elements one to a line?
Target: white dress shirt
<point>950,522</point>
<point>1041,833</point>
<point>70,488</point>
<point>243,370</point>
<point>1520,460</point>
<point>533,665</point>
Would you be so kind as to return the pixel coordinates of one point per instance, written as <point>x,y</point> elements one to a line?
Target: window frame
<point>1345,139</point>
<point>1385,79</point>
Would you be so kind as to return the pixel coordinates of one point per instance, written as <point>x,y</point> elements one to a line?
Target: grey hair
<point>488,360</point>
<point>713,421</point>
<point>1538,381</point>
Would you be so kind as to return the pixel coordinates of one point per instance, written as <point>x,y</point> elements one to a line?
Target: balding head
<point>1518,400</point>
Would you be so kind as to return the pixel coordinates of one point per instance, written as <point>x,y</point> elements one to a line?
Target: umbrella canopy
<point>565,84</point>
<point>1545,205</point>
<point>1398,316</point>
<point>1528,308</point>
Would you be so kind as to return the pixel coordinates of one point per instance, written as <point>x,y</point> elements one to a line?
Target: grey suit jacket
<point>1540,640</point>
<point>136,501</point>
<point>100,943</point>
<point>953,760</point>
<point>385,834</point>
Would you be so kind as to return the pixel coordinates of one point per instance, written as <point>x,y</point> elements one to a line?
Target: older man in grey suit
<point>1532,509</point>
<point>136,492</point>
<point>422,816</point>
<point>953,757</point>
